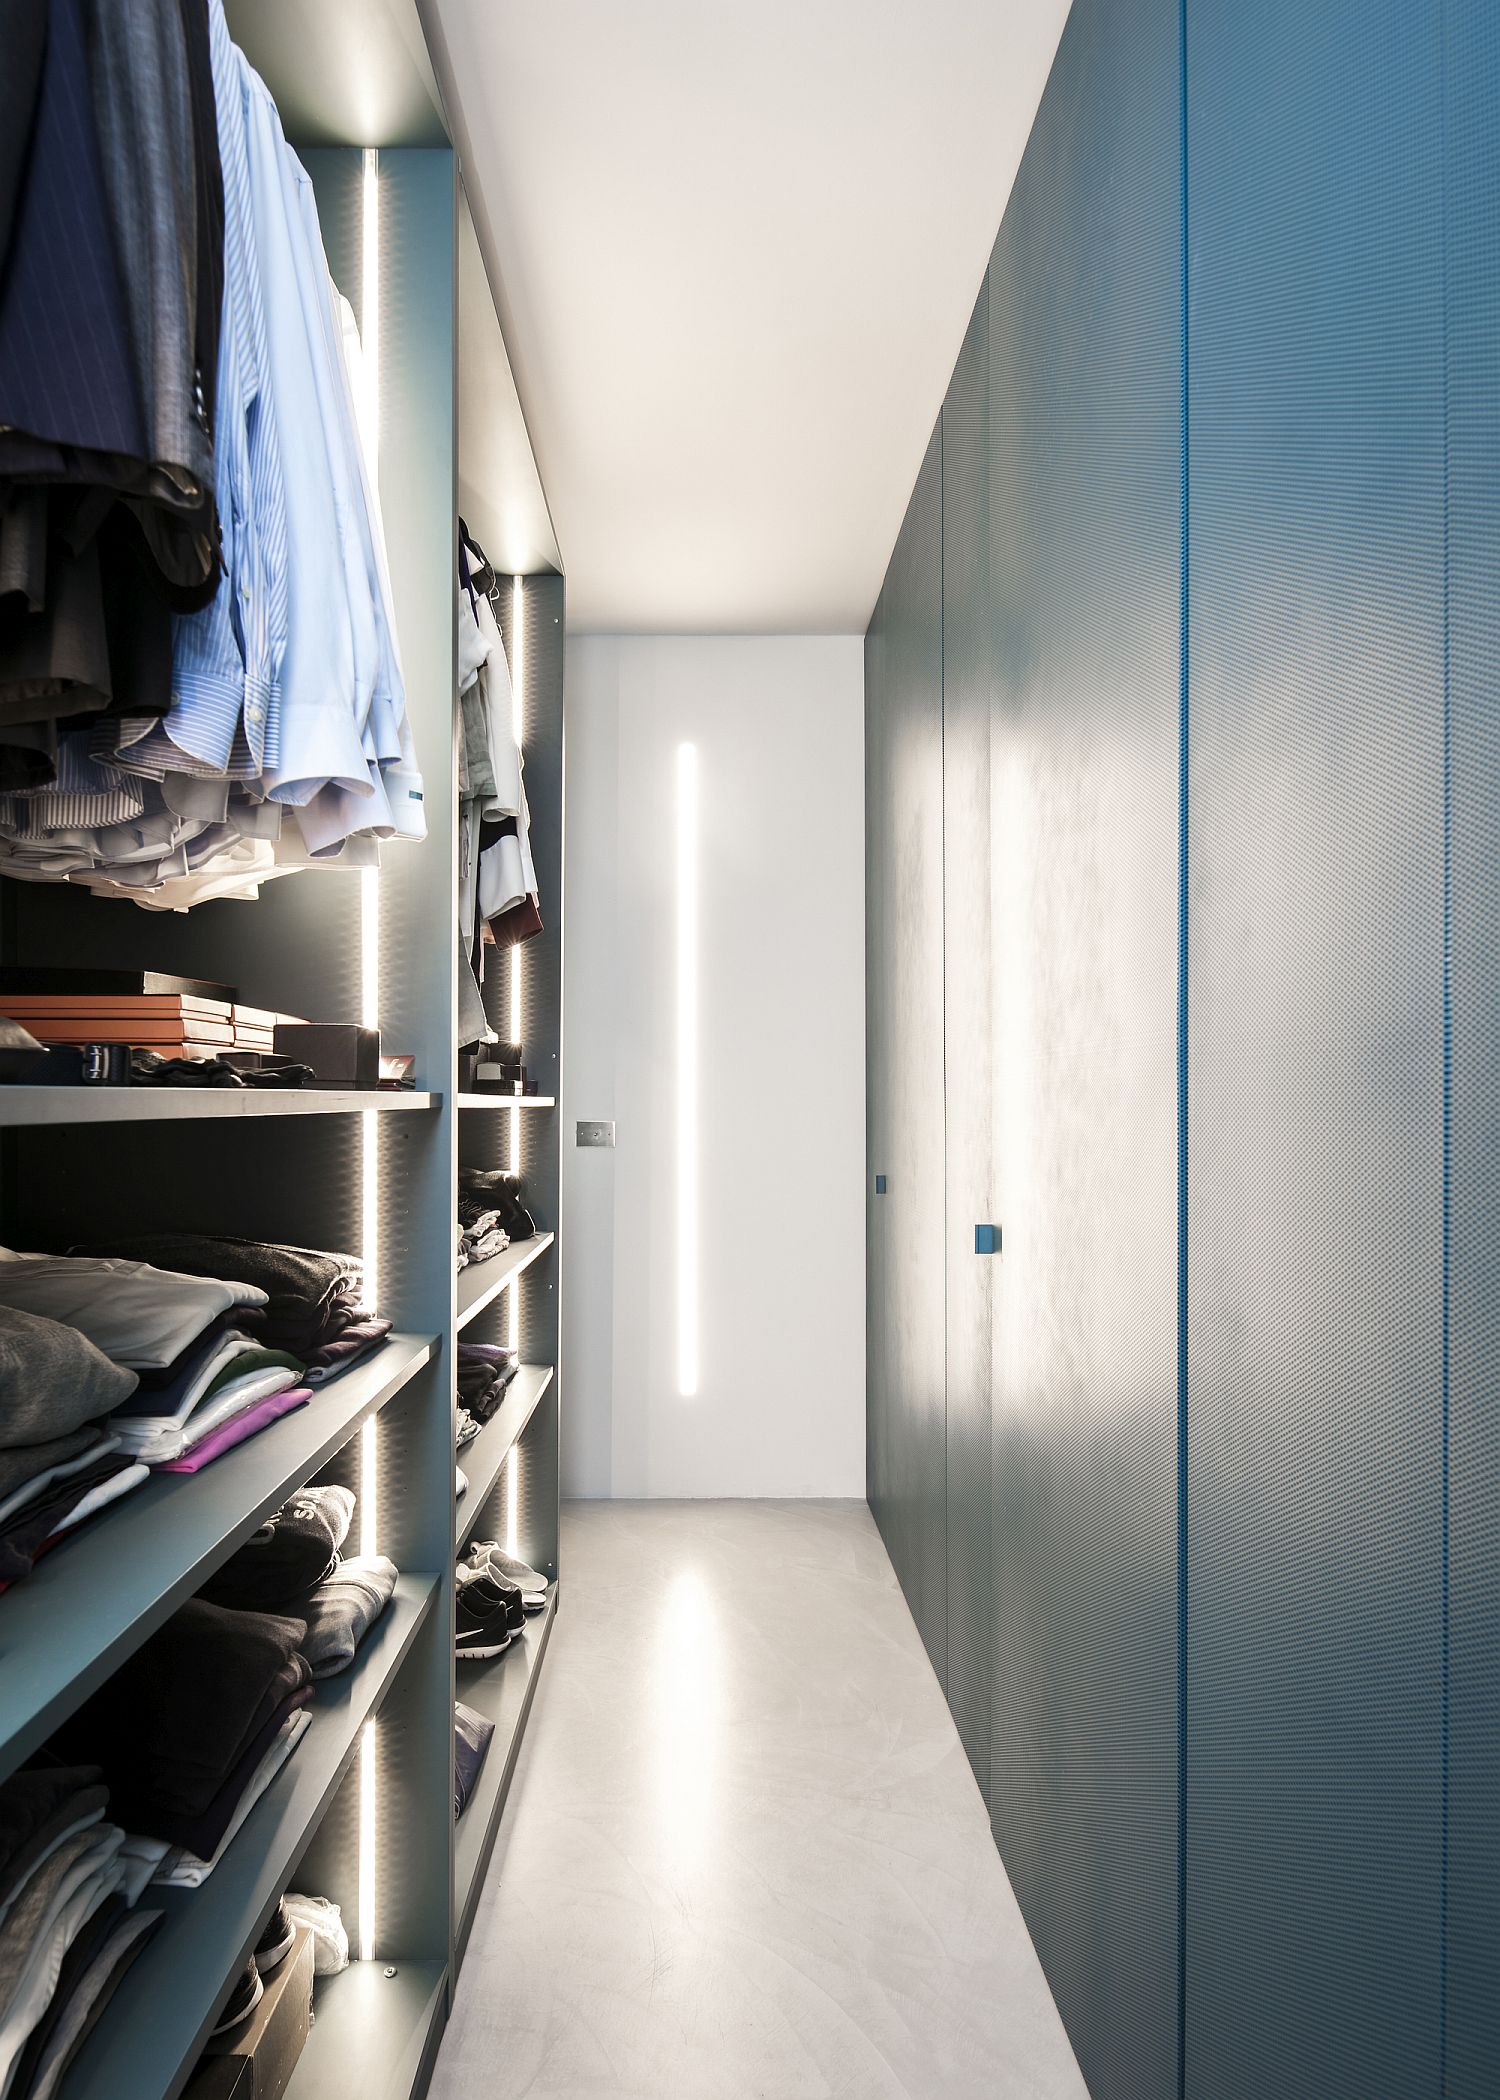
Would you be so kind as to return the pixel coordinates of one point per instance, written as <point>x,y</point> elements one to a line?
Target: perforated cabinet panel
<point>1472,189</point>
<point>1315,1042</point>
<point>968,986</point>
<point>906,1462</point>
<point>1085,409</point>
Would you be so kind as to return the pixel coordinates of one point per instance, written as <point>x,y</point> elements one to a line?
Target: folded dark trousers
<point>201,1835</point>
<point>175,1719</point>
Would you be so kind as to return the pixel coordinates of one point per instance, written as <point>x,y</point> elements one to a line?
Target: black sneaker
<point>243,1999</point>
<point>481,1620</point>
<point>276,1942</point>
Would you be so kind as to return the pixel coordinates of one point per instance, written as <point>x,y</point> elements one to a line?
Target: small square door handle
<point>986,1239</point>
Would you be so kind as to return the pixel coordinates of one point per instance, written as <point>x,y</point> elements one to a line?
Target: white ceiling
<point>737,248</point>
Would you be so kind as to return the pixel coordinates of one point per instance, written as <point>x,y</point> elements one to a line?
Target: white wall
<point>778,723</point>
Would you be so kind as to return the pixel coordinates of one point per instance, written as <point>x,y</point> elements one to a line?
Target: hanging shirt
<point>227,658</point>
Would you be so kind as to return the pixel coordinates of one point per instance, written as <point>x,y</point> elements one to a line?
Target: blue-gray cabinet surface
<point>1315,1050</point>
<point>1203,827</point>
<point>1471,100</point>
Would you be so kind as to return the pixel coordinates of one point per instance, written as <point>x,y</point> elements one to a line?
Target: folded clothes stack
<point>482,1373</point>
<point>308,1303</point>
<point>491,1213</point>
<point>69,1927</point>
<point>59,1463</point>
<point>293,1563</point>
<point>223,1389</point>
<point>480,1234</point>
<point>202,1383</point>
<point>192,1729</point>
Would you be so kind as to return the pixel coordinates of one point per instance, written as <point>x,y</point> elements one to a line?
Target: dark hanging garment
<point>23,39</point>
<point>96,637</point>
<point>155,130</point>
<point>65,356</point>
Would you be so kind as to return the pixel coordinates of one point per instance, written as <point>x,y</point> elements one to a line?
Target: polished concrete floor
<point>745,1855</point>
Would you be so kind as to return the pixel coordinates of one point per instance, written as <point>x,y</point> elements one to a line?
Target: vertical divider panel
<point>907,1461</point>
<point>968,1034</point>
<point>1085,520</point>
<point>1471,1964</point>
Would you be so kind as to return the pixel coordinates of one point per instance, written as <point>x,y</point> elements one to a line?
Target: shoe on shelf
<point>481,1620</point>
<point>243,1999</point>
<point>276,1942</point>
<point>471,1571</point>
<point>494,1560</point>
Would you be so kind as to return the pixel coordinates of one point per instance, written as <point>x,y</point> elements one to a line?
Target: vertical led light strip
<point>687,1070</point>
<point>368,411</point>
<point>366,1923</point>
<point>518,725</point>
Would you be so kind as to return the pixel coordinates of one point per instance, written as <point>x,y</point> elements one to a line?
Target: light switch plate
<point>596,1134</point>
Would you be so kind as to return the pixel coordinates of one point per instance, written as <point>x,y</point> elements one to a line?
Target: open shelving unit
<point>29,1107</point>
<point>483,1282</point>
<point>492,1101</point>
<point>363,1810</point>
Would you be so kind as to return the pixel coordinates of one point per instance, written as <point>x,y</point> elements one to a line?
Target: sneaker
<point>243,1999</point>
<point>276,1942</point>
<point>478,1570</point>
<point>493,1560</point>
<point>481,1622</point>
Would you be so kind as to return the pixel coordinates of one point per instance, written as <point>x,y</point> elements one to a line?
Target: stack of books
<point>174,1016</point>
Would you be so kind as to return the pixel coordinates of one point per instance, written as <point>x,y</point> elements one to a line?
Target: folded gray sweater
<point>342,1609</point>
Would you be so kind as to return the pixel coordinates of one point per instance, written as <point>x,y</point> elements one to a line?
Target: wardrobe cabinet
<point>907,1463</point>
<point>1315,1033</point>
<point>1471,2006</point>
<point>1193,1481</point>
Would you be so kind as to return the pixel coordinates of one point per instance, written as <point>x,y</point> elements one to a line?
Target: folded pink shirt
<point>238,1430</point>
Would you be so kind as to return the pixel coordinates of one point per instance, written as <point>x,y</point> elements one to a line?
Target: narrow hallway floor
<point>744,1857</point>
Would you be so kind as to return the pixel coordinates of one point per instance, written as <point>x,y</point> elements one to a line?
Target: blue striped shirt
<point>227,659</point>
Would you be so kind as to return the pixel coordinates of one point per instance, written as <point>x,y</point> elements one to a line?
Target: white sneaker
<point>490,1558</point>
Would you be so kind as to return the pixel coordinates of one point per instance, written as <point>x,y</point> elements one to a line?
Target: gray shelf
<point>484,1456</point>
<point>96,1597</point>
<point>28,1107</point>
<point>374,2032</point>
<point>506,1100</point>
<point>149,2038</point>
<point>482,1282</point>
<point>501,1690</point>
